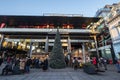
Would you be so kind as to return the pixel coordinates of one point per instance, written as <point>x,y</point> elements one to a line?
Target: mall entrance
<point>36,34</point>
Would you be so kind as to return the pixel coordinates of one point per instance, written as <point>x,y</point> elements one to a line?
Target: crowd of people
<point>21,65</point>
<point>101,62</point>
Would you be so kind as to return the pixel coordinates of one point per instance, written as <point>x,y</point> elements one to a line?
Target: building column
<point>113,53</point>
<point>1,41</point>
<point>69,45</point>
<point>105,49</point>
<point>83,51</point>
<point>30,50</point>
<point>96,46</point>
<point>46,44</point>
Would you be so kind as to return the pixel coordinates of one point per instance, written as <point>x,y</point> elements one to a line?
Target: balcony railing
<point>53,31</point>
<point>50,40</point>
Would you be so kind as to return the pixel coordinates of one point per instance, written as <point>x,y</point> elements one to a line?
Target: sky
<point>87,8</point>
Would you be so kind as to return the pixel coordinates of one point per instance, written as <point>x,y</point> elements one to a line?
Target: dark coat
<point>45,65</point>
<point>1,61</point>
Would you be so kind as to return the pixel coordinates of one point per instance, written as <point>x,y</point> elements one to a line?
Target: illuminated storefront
<point>31,32</point>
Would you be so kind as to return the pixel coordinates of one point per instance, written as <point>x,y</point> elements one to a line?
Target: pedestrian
<point>117,64</point>
<point>16,69</point>
<point>110,61</point>
<point>104,63</point>
<point>22,65</point>
<point>76,64</point>
<point>66,60</point>
<point>94,62</point>
<point>45,64</point>
<point>33,62</point>
<point>27,64</point>
<point>1,60</point>
<point>8,68</point>
<point>73,60</point>
<point>36,63</point>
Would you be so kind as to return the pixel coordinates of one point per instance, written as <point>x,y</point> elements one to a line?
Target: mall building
<point>109,28</point>
<point>36,34</point>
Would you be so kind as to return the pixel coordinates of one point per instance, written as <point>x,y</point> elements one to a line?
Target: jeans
<point>117,66</point>
<point>27,68</point>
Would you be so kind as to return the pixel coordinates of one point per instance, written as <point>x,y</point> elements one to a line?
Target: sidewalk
<point>64,74</point>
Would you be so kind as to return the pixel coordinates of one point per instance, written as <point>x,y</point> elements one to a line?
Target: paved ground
<point>64,74</point>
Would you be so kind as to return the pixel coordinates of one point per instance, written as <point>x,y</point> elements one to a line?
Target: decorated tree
<point>57,60</point>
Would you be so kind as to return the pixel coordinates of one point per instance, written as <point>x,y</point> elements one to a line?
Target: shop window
<point>114,33</point>
<point>118,27</point>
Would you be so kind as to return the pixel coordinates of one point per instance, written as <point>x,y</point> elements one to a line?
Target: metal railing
<point>30,30</point>
<point>58,14</point>
<point>50,40</point>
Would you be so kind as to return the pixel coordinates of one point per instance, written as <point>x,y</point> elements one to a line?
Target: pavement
<point>65,74</point>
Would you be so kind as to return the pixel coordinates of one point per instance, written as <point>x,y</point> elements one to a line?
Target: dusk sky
<point>38,7</point>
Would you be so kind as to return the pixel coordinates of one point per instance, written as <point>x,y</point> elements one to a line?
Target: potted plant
<point>89,68</point>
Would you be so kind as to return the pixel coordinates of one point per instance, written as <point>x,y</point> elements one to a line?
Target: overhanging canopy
<point>17,20</point>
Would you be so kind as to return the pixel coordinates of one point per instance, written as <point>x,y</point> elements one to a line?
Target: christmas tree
<point>57,60</point>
